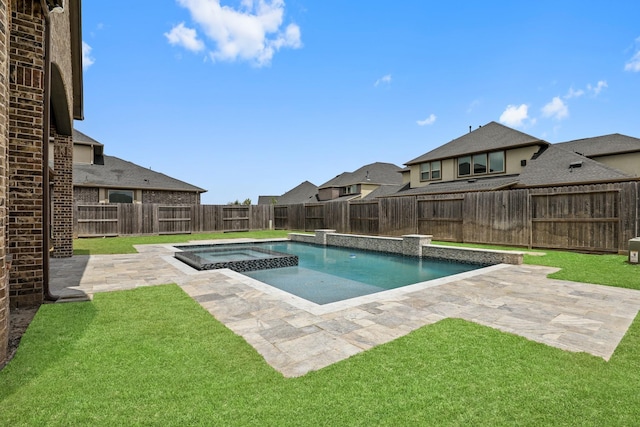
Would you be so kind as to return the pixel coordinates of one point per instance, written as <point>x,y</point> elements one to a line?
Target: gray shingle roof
<point>81,138</point>
<point>303,193</point>
<point>490,137</point>
<point>464,185</point>
<point>374,173</point>
<point>552,167</point>
<point>118,173</point>
<point>385,190</point>
<point>604,145</point>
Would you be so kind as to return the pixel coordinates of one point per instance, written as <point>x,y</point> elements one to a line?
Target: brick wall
<point>26,103</point>
<point>62,196</point>
<point>4,71</point>
<point>170,197</point>
<point>84,195</point>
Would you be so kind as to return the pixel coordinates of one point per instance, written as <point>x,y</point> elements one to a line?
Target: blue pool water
<point>328,274</point>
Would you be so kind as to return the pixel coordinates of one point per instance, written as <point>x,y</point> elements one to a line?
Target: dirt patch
<point>19,320</point>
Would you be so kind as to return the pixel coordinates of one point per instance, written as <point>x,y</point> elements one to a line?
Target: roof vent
<point>472,180</point>
<point>574,165</point>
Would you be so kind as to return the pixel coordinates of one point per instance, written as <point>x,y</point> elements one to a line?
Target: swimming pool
<point>327,274</point>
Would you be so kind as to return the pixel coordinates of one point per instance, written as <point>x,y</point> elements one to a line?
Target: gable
<point>491,137</point>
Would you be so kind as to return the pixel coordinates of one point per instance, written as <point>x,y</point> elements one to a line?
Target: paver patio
<point>296,336</point>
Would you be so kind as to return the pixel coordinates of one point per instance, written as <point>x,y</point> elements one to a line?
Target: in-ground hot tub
<point>240,259</point>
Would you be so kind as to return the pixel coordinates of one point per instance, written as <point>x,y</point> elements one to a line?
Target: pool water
<point>327,274</point>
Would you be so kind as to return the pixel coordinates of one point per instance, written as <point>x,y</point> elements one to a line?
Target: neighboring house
<point>618,151</point>
<point>496,157</point>
<point>305,192</point>
<point>40,97</point>
<point>98,178</point>
<point>490,157</point>
<point>361,183</point>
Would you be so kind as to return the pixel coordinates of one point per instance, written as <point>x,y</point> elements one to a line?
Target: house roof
<point>557,166</point>
<point>118,173</point>
<point>384,191</point>
<point>375,173</point>
<point>604,145</point>
<point>304,192</point>
<point>464,185</point>
<point>490,137</point>
<point>81,138</point>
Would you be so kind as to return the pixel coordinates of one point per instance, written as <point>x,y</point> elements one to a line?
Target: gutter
<point>46,202</point>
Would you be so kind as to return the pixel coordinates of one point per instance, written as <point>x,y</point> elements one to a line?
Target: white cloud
<point>574,93</point>
<point>474,104</point>
<point>598,87</point>
<point>633,64</point>
<point>428,121</point>
<point>556,109</point>
<point>384,79</point>
<point>87,59</point>
<point>252,33</point>
<point>185,37</point>
<point>515,116</point>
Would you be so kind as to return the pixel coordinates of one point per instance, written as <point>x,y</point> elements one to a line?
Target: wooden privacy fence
<point>137,219</point>
<point>597,218</point>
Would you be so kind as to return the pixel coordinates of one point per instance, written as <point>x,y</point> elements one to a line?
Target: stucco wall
<point>629,163</point>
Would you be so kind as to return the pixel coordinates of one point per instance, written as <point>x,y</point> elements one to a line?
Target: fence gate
<point>364,218</point>
<point>314,217</point>
<point>97,220</point>
<point>441,218</point>
<point>588,220</point>
<point>235,218</point>
<point>281,217</point>
<point>174,219</point>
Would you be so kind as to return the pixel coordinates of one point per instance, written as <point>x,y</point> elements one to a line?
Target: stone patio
<point>296,336</point>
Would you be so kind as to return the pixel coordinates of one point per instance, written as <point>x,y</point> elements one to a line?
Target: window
<point>496,162</point>
<point>352,189</point>
<point>483,163</point>
<point>479,164</point>
<point>425,171</point>
<point>435,170</point>
<point>464,166</point>
<point>430,171</point>
<point>120,196</point>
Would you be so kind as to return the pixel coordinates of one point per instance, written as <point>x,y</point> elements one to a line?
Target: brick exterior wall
<point>26,103</point>
<point>62,196</point>
<point>170,197</point>
<point>4,74</point>
<point>86,196</point>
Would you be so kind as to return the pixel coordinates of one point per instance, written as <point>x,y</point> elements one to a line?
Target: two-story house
<point>361,183</point>
<point>496,157</point>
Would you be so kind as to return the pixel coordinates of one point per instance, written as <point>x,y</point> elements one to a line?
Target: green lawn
<point>124,245</point>
<point>153,356</point>
<point>611,270</point>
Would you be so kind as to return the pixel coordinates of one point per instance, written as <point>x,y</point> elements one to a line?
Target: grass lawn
<point>124,245</point>
<point>153,356</point>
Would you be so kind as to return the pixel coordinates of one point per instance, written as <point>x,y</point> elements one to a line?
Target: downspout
<point>46,202</point>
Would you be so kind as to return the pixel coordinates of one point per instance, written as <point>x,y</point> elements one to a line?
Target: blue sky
<point>246,98</point>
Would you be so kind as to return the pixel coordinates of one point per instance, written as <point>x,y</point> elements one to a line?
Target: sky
<point>253,97</point>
